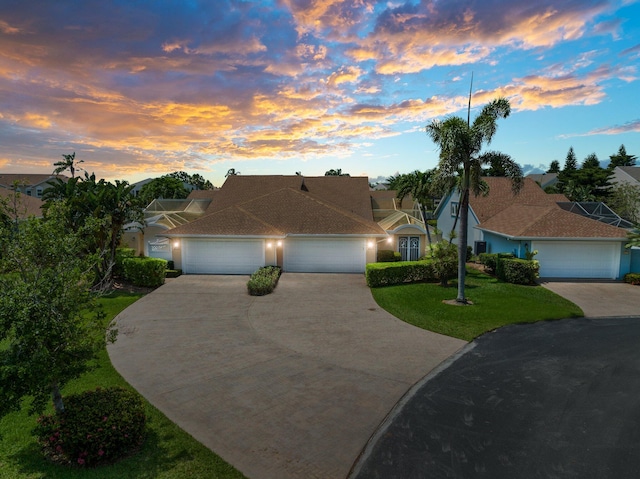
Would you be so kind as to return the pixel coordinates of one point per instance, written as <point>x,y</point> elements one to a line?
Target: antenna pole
<point>469,108</point>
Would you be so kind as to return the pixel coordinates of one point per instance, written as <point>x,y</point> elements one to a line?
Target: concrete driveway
<point>289,385</point>
<point>599,299</point>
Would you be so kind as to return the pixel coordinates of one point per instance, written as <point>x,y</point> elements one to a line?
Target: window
<point>455,207</point>
<point>39,192</point>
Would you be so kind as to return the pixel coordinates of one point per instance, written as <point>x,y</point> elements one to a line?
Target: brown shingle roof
<point>27,205</point>
<point>255,207</point>
<point>533,214</point>
<point>8,179</point>
<point>384,200</point>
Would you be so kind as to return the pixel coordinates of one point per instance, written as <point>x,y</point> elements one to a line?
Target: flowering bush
<point>96,427</point>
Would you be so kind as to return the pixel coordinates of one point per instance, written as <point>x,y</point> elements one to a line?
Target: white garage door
<point>325,255</point>
<point>572,259</point>
<point>222,257</point>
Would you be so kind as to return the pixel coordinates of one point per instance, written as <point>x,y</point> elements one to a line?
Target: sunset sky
<point>143,88</point>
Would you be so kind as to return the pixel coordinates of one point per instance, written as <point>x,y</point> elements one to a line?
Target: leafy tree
<point>49,326</point>
<point>593,178</point>
<point>195,180</point>
<point>460,143</point>
<point>68,163</point>
<point>554,167</point>
<point>337,172</point>
<point>577,192</point>
<point>621,159</point>
<point>445,260</point>
<point>625,201</point>
<point>108,207</point>
<point>166,187</point>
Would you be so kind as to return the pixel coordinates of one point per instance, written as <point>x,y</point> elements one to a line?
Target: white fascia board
<point>235,237</point>
<point>553,238</point>
<point>321,235</point>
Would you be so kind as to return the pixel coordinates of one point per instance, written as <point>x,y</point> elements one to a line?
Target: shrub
<point>489,261</point>
<point>121,254</point>
<point>386,274</point>
<point>172,273</point>
<point>469,256</point>
<point>499,271</point>
<point>96,427</point>
<point>264,280</point>
<point>519,271</point>
<point>632,278</point>
<point>385,256</point>
<point>444,256</point>
<point>148,272</point>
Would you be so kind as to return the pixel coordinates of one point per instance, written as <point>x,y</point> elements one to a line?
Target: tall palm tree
<point>460,143</point>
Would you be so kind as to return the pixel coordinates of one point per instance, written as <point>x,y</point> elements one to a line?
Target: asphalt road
<point>557,399</point>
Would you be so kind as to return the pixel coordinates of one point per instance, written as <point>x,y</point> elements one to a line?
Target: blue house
<point>569,245</point>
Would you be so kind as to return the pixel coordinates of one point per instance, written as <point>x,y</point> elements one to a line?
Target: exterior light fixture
<point>279,243</point>
<point>176,244</point>
<point>269,245</point>
<point>370,244</point>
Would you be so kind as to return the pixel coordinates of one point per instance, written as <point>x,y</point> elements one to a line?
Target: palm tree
<point>460,143</point>
<point>68,163</point>
<point>419,185</point>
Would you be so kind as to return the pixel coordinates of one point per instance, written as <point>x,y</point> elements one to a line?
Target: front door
<point>409,247</point>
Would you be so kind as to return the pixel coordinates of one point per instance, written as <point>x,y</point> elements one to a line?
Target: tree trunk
<point>426,225</point>
<point>462,236</point>
<point>56,396</point>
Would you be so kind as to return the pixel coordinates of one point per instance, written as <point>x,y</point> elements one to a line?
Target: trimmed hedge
<point>509,268</point>
<point>632,278</point>
<point>264,280</point>
<point>121,255</point>
<point>97,427</point>
<point>518,271</point>
<point>386,274</point>
<point>388,256</point>
<point>172,273</point>
<point>147,272</point>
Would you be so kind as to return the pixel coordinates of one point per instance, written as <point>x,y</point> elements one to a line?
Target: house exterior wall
<point>446,218</point>
<point>500,244</point>
<point>634,260</point>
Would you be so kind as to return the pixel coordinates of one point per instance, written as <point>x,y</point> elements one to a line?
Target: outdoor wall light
<point>269,245</point>
<point>279,243</point>
<point>176,244</point>
<point>370,244</point>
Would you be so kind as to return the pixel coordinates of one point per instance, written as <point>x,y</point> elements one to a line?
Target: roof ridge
<point>260,220</point>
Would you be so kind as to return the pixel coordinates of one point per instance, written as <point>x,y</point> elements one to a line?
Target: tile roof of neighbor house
<point>533,214</point>
<point>282,205</point>
<point>8,179</point>
<point>27,205</point>
<point>632,171</point>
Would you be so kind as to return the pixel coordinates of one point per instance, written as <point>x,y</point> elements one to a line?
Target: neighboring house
<point>28,184</point>
<point>137,186</point>
<point>626,174</point>
<point>303,224</point>
<point>569,245</point>
<point>402,220</point>
<point>21,206</point>
<point>544,179</point>
<point>161,216</point>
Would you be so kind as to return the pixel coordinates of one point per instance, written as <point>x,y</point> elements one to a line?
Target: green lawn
<point>168,452</point>
<point>495,304</point>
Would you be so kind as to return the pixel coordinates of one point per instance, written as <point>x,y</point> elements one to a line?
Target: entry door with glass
<point>409,247</point>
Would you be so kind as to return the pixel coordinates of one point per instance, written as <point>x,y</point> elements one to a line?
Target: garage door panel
<point>325,256</point>
<point>222,257</point>
<point>571,259</point>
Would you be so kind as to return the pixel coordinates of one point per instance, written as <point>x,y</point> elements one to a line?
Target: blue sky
<point>140,89</point>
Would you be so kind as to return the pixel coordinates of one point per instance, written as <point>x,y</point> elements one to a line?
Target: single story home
<point>302,224</point>
<point>569,245</point>
<point>29,184</point>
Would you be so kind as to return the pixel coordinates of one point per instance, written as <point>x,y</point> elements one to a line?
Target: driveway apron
<point>599,299</point>
<point>289,385</point>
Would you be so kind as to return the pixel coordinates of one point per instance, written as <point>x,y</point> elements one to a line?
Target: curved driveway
<point>289,385</point>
